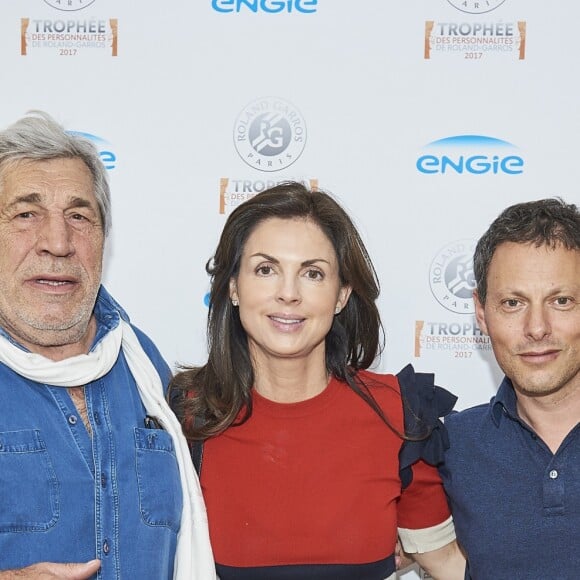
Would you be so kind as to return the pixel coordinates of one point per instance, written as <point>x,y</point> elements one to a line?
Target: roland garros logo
<point>476,6</point>
<point>69,5</point>
<point>451,276</point>
<point>270,134</point>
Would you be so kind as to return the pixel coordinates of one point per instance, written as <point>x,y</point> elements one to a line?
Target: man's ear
<point>480,313</point>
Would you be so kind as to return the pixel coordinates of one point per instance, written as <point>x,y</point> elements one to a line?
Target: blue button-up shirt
<point>516,505</point>
<point>67,496</point>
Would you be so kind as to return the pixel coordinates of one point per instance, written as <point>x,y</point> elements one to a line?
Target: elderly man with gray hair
<point>94,471</point>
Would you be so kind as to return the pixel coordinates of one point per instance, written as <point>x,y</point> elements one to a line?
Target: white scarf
<point>193,558</point>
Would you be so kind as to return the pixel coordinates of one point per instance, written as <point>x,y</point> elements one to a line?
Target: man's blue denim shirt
<point>515,504</point>
<point>66,496</point>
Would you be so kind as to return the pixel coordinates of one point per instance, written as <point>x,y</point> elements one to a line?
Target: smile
<point>53,282</point>
<point>286,320</point>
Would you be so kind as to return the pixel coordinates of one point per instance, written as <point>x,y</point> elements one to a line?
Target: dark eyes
<point>26,215</point>
<point>313,274</point>
<point>264,270</point>
<point>563,301</point>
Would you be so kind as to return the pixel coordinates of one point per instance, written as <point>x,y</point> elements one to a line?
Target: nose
<point>289,290</point>
<point>537,322</point>
<point>54,236</point>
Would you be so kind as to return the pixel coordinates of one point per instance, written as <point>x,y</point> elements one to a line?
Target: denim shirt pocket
<point>28,485</point>
<point>160,499</point>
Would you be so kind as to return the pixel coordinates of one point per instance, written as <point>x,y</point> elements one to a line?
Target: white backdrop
<point>424,118</point>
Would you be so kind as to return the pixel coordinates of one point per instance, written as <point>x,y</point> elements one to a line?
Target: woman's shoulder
<point>417,388</point>
<point>378,381</point>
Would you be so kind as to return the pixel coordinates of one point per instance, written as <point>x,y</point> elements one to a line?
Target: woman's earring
<point>235,302</point>
<point>337,310</point>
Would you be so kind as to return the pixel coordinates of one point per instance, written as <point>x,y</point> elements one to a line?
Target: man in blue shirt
<point>512,471</point>
<point>94,471</point>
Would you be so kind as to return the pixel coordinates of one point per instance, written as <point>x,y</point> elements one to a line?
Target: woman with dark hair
<point>312,465</point>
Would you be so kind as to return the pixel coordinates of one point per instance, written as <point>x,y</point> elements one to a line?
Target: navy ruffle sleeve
<point>423,404</point>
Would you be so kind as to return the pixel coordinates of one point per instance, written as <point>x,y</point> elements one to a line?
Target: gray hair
<point>38,137</point>
<point>547,222</point>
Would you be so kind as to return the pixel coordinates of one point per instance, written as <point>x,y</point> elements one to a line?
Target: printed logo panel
<point>476,6</point>
<point>265,6</point>
<point>470,155</point>
<point>269,134</point>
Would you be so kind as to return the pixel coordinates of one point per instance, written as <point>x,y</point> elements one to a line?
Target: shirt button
<point>106,548</point>
<point>97,418</point>
<point>553,474</point>
<point>103,480</point>
<point>72,419</point>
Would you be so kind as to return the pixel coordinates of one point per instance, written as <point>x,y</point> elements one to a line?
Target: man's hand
<point>402,560</point>
<point>52,571</point>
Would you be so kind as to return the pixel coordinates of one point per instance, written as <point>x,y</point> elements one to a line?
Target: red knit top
<point>315,482</point>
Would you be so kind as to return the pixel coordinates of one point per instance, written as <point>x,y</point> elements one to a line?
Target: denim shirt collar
<point>107,313</point>
<point>504,402</point>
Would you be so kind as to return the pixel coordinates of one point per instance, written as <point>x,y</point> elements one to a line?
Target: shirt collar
<point>504,402</point>
<point>108,313</point>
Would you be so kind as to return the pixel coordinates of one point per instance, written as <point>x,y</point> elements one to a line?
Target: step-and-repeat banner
<point>424,118</point>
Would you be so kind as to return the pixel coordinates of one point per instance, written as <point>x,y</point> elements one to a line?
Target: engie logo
<point>267,6</point>
<point>108,158</point>
<point>473,154</point>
